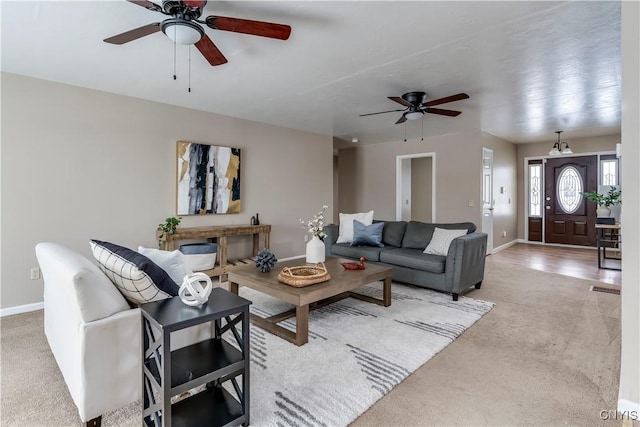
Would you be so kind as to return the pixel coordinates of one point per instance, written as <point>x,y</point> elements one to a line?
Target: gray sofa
<point>404,243</point>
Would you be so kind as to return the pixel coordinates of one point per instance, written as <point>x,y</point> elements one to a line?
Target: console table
<point>212,362</point>
<point>607,236</point>
<point>220,233</point>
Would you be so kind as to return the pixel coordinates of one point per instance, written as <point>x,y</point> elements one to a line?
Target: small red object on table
<point>354,265</point>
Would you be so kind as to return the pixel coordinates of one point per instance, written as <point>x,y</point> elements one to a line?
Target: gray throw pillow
<point>367,235</point>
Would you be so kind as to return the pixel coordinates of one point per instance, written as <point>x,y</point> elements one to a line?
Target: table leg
<point>233,288</point>
<point>302,324</point>
<point>256,244</point>
<point>386,292</point>
<point>598,247</point>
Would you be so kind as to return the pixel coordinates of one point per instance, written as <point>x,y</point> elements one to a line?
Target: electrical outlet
<point>35,273</point>
<point>306,238</point>
<point>504,233</point>
<point>470,203</point>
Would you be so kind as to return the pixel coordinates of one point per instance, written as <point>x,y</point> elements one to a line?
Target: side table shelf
<point>214,362</point>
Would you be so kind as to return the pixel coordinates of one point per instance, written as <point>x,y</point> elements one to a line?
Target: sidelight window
<point>609,172</point>
<point>535,190</point>
<point>569,189</point>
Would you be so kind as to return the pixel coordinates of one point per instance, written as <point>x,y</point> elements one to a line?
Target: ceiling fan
<point>417,105</point>
<point>183,27</point>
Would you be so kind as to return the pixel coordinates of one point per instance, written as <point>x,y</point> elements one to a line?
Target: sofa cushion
<point>441,240</point>
<point>138,278</point>
<point>345,235</point>
<point>367,235</point>
<point>418,234</point>
<point>414,258</point>
<point>371,253</point>
<point>393,233</point>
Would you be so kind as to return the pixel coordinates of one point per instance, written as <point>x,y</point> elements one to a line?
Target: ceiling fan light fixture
<point>413,115</point>
<point>181,31</point>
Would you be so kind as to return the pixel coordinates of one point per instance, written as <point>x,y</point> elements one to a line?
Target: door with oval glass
<point>568,219</point>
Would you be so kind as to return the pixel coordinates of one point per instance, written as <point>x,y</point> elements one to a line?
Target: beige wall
<point>368,178</point>
<point>629,396</point>
<point>80,164</point>
<point>421,189</point>
<point>541,149</point>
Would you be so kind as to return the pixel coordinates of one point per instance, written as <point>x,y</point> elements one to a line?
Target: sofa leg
<point>455,297</point>
<point>478,284</point>
<point>96,422</point>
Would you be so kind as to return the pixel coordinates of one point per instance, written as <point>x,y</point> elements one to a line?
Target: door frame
<point>525,191</point>
<point>487,226</point>
<point>403,164</point>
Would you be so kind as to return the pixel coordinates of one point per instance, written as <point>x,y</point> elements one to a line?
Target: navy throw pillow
<point>367,235</point>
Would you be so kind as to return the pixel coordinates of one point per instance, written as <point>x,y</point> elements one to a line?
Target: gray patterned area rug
<point>357,352</point>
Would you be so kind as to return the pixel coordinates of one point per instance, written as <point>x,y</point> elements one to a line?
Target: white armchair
<point>94,335</point>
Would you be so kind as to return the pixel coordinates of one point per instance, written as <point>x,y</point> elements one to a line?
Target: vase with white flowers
<point>315,245</point>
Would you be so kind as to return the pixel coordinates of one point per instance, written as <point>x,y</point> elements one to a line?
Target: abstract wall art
<point>208,179</point>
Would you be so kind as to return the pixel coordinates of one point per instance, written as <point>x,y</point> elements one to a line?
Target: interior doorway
<point>415,187</point>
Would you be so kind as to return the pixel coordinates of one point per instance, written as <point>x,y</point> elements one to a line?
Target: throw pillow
<point>175,263</point>
<point>441,240</point>
<point>345,233</point>
<point>367,235</point>
<point>138,278</point>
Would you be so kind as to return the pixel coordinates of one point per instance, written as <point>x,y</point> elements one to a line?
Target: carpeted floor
<point>547,354</point>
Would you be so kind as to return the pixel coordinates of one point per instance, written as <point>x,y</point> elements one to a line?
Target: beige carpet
<point>547,354</point>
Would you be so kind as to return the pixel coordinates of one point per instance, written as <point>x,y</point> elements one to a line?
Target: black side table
<point>213,362</point>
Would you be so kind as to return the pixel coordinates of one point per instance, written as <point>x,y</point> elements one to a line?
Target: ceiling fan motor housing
<point>182,10</point>
<point>414,98</point>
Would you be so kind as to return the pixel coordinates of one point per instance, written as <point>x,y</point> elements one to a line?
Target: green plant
<point>167,228</point>
<point>612,198</point>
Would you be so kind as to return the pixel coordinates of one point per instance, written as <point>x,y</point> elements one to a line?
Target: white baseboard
<point>628,406</point>
<point>505,246</point>
<point>292,257</point>
<point>10,311</point>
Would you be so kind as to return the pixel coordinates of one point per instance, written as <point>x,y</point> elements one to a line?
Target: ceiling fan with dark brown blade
<point>183,27</point>
<point>416,105</point>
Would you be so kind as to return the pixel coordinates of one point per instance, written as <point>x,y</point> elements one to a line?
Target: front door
<point>568,219</point>
<point>487,196</point>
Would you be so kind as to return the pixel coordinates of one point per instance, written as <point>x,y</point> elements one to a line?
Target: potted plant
<point>604,201</point>
<point>165,229</point>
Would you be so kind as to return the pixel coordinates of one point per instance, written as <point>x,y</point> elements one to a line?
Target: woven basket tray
<point>304,276</point>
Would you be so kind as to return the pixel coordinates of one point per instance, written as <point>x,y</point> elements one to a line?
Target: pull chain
<point>405,131</point>
<point>189,68</point>
<point>422,134</point>
<point>174,53</point>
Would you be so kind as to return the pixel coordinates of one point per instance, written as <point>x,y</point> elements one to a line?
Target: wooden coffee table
<point>310,297</point>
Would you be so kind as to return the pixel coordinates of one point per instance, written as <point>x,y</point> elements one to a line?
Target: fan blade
<point>451,98</point>
<point>401,120</point>
<point>381,112</point>
<point>134,34</point>
<point>442,112</point>
<point>245,26</point>
<point>400,101</point>
<point>210,51</point>
<point>147,5</point>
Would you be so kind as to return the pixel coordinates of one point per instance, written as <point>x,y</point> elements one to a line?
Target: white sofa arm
<point>110,371</point>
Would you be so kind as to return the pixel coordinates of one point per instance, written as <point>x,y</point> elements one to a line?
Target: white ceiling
<point>530,67</point>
